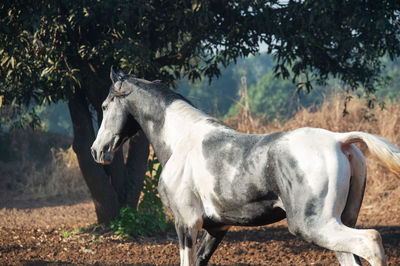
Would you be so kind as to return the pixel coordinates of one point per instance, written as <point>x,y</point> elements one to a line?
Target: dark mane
<point>158,87</point>
<point>142,83</point>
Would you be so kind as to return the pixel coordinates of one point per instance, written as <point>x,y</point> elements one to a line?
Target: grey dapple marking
<point>215,177</point>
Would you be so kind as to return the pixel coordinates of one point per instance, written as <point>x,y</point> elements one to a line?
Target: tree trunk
<point>136,163</point>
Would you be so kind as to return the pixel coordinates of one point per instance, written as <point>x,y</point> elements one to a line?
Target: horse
<point>214,177</point>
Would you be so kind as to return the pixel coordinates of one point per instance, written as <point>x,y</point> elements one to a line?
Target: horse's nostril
<point>93,153</point>
<point>107,147</point>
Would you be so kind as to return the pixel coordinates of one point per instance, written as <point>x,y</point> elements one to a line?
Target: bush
<point>149,218</point>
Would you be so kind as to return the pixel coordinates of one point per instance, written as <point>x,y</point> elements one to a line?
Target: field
<point>41,220</point>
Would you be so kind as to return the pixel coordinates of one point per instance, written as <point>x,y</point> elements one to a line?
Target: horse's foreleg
<point>188,222</point>
<point>354,199</point>
<point>187,235</point>
<point>209,244</point>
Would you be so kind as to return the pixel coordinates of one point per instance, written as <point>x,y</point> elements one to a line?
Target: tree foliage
<point>50,46</point>
<point>343,39</point>
<point>390,90</point>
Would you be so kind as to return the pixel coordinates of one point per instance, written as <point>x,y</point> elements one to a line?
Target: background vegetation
<point>271,96</point>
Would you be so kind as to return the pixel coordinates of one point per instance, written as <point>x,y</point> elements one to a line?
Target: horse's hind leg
<point>316,216</point>
<point>209,244</point>
<point>354,199</point>
<point>335,236</point>
<point>329,232</point>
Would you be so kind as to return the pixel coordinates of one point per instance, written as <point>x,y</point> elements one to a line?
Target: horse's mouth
<point>102,157</point>
<point>105,155</point>
<point>105,158</point>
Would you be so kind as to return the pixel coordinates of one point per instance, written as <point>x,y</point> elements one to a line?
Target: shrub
<point>149,218</point>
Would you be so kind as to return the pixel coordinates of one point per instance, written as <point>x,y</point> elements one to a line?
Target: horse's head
<point>117,124</point>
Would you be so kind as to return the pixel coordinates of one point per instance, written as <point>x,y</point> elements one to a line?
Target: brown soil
<point>44,232</point>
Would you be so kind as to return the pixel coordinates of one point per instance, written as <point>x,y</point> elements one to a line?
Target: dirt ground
<point>44,232</point>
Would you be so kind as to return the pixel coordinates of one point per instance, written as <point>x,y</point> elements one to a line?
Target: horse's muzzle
<point>102,157</point>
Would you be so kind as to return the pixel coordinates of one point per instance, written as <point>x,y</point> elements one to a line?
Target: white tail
<point>386,152</point>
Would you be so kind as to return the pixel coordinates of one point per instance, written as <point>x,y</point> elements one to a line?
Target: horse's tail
<point>386,152</point>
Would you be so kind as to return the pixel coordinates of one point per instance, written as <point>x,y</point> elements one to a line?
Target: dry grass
<point>61,176</point>
<point>383,187</point>
<point>42,166</point>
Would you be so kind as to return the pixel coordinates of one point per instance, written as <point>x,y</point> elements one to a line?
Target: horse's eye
<point>104,107</point>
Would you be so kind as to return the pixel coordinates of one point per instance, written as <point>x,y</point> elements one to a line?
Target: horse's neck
<point>166,123</point>
<point>182,121</point>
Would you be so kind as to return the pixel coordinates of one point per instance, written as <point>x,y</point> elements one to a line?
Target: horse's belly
<point>248,214</point>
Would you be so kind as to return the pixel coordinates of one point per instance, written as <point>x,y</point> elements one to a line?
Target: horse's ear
<point>113,76</point>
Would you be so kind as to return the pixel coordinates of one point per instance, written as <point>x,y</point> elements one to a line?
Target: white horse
<point>215,177</point>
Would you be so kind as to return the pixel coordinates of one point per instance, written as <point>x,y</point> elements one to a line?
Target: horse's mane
<point>150,85</point>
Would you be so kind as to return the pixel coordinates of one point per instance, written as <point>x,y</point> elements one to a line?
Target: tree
<point>343,39</point>
<point>273,97</point>
<point>390,91</point>
<point>62,51</point>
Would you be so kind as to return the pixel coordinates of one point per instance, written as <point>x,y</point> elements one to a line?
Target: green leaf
<point>12,61</point>
<point>4,60</point>
<point>46,71</point>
